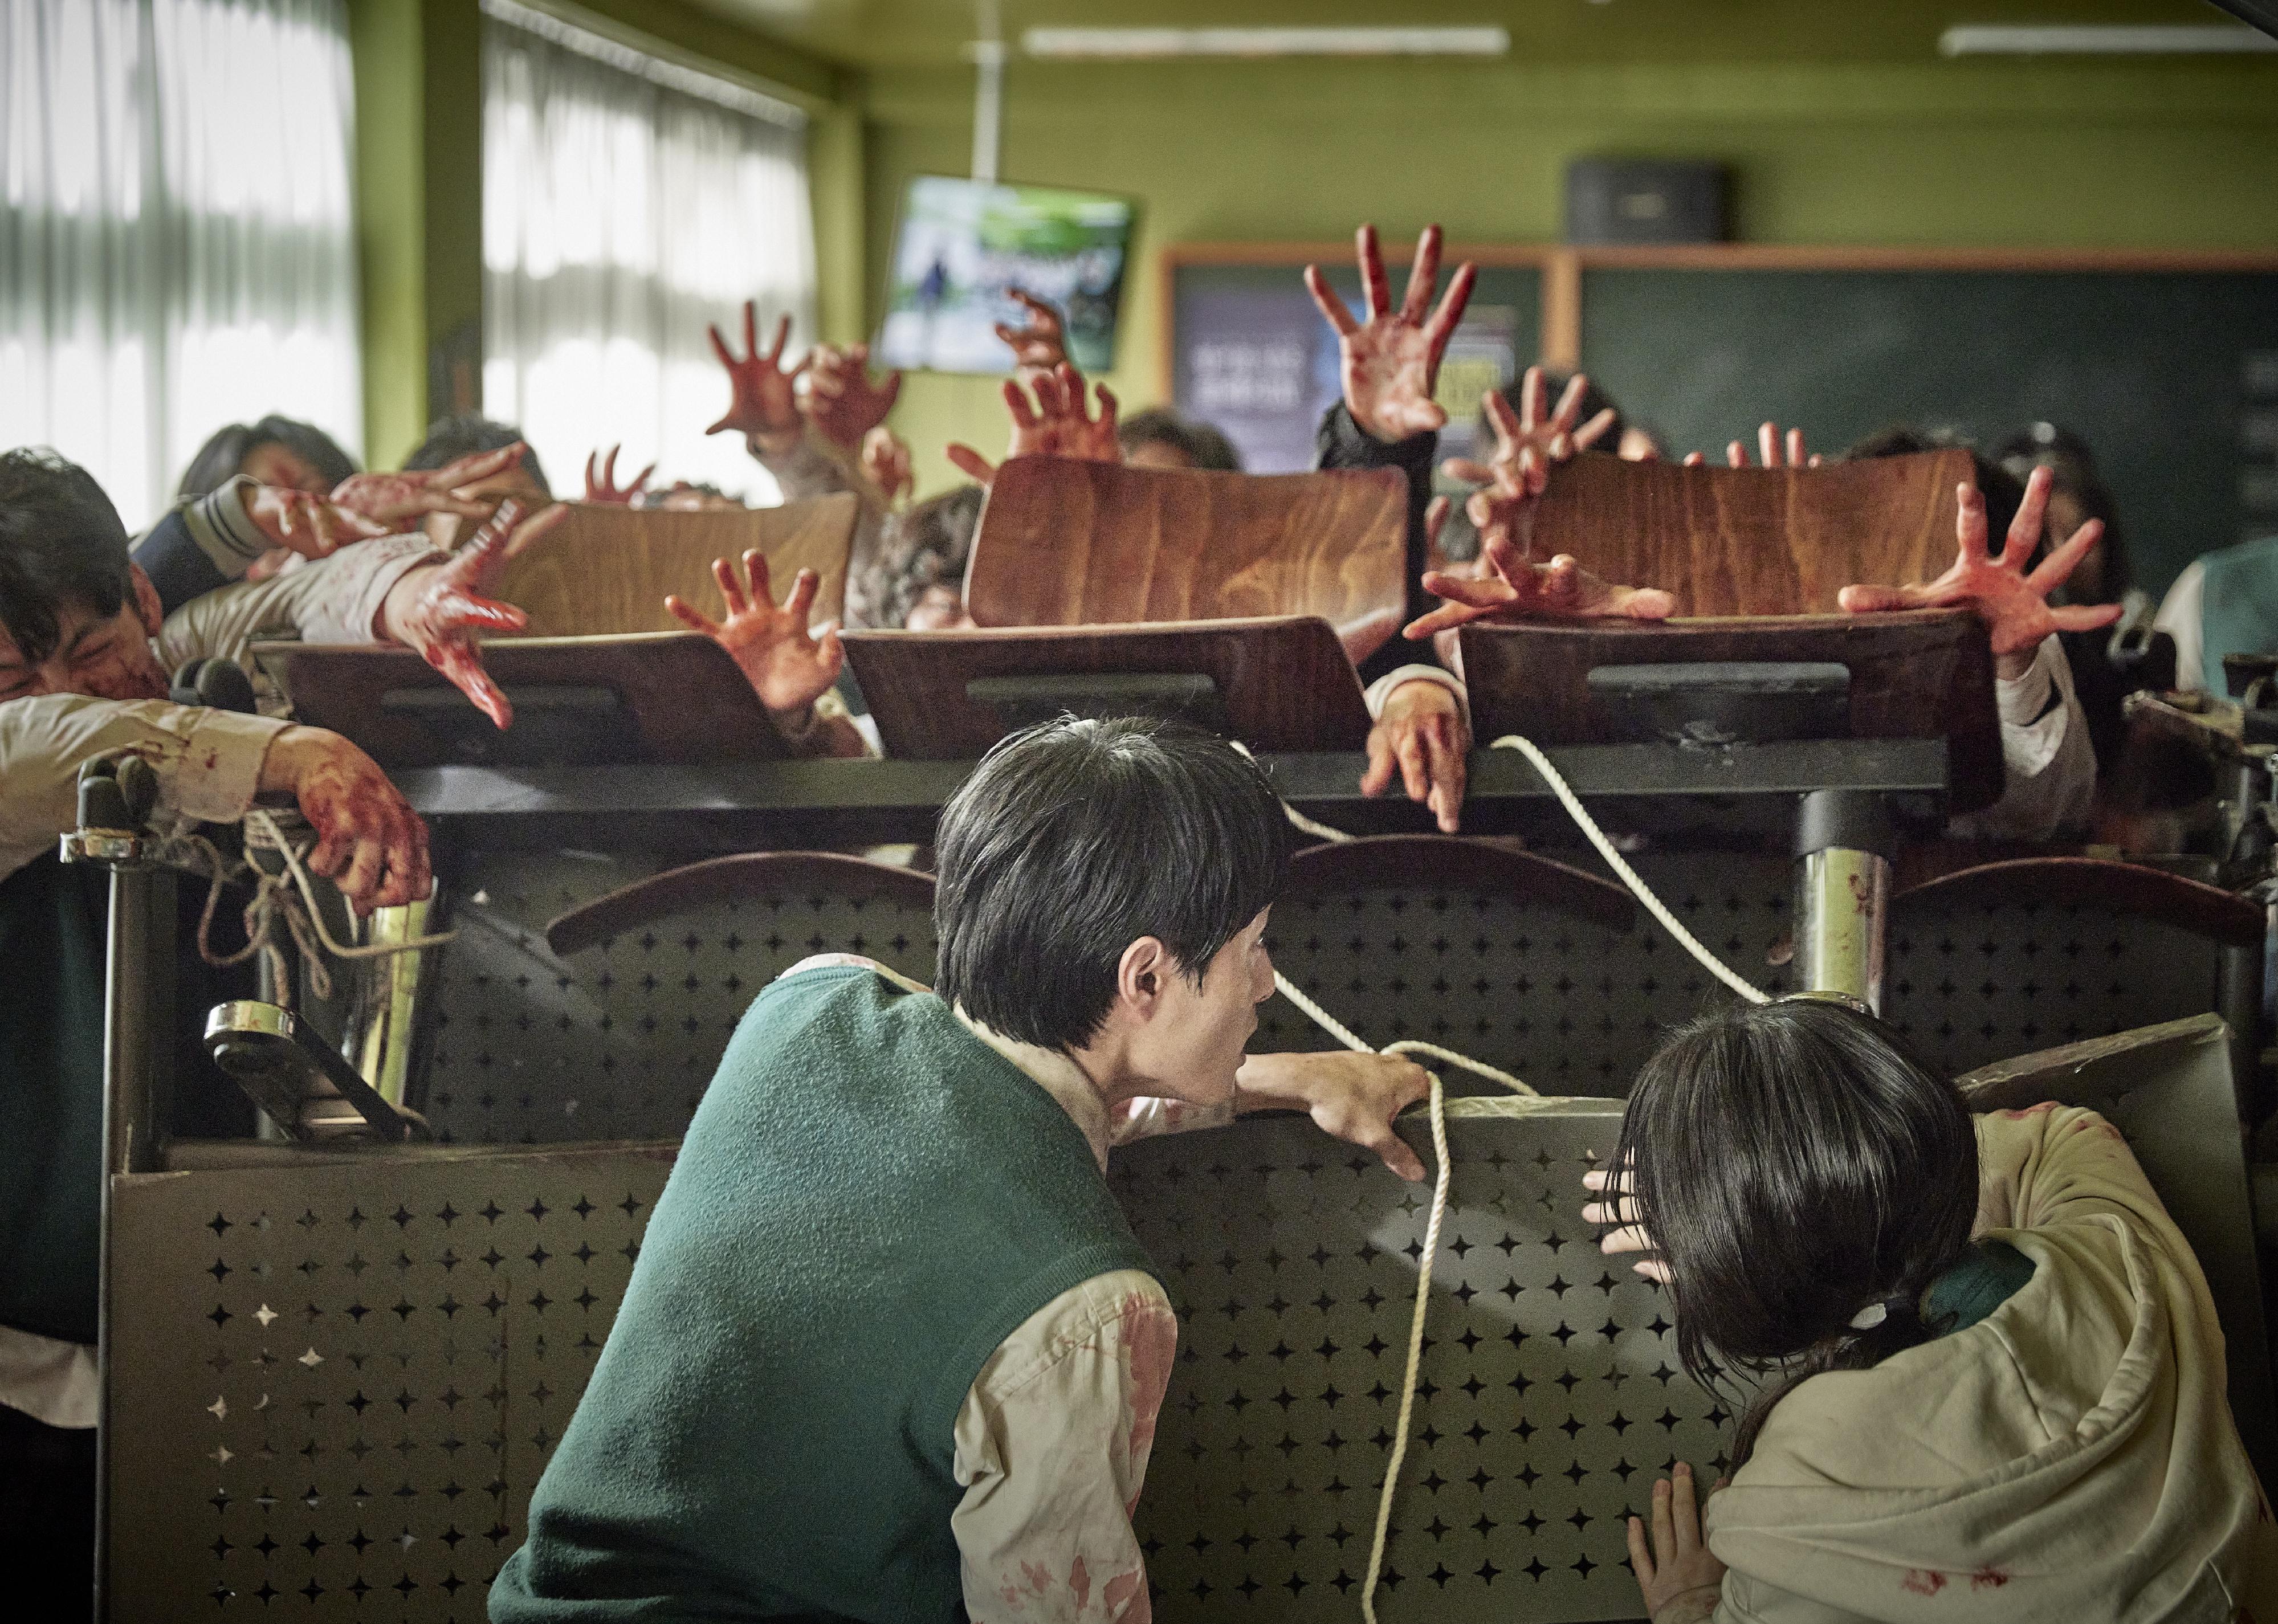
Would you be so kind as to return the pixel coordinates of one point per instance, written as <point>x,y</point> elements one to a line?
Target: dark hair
<point>1794,1163</point>
<point>2073,466</point>
<point>61,546</point>
<point>223,455</point>
<point>2003,490</point>
<point>449,438</point>
<point>1201,446</point>
<point>929,545</point>
<point>1074,839</point>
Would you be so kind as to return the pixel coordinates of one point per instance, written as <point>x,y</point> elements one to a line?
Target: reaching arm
<point>789,667</point>
<point>1051,1450</point>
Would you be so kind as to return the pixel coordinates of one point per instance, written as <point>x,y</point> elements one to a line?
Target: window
<point>177,233</point>
<point>627,203</point>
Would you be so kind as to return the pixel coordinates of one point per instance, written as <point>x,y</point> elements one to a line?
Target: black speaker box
<point>1637,200</point>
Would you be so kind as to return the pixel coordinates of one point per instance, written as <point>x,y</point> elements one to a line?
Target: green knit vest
<point>869,1201</point>
<point>2238,608</point>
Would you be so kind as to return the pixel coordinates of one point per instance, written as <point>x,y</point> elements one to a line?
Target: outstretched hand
<point>1042,344</point>
<point>299,522</point>
<point>1618,1207</point>
<point>886,463</point>
<point>787,667</point>
<point>601,482</point>
<point>1059,424</point>
<point>843,402</point>
<point>1529,443</point>
<point>1390,361</point>
<point>443,609</point>
<point>1776,449</point>
<point>399,501</point>
<point>763,397</point>
<point>2013,603</point>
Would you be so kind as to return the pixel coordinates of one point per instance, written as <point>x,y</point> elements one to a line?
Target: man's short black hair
<point>1074,839</point>
<point>61,547</point>
<point>225,451</point>
<point>1202,445</point>
<point>449,438</point>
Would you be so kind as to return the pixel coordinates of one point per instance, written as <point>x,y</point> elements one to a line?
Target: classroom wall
<point>1988,153</point>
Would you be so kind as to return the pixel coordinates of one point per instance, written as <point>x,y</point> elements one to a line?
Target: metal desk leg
<point>1843,844</point>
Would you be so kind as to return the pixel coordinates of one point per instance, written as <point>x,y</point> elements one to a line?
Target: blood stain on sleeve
<point>1148,1343</point>
<point>1033,1575</point>
<point>1923,1580</point>
<point>1079,1581</point>
<point>1989,1578</point>
<point>1126,1598</point>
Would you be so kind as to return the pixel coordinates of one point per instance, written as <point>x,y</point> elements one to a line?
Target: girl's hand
<point>1681,1581</point>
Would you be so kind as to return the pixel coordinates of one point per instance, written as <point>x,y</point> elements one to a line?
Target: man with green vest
<point>890,1352</point>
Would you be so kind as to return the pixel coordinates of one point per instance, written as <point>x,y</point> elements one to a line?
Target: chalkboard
<point>2171,377</point>
<point>1251,354</point>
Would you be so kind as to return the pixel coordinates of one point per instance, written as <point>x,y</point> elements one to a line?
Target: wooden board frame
<point>1285,681</point>
<point>1562,266</point>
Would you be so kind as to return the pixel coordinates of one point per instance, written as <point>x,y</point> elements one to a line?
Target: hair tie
<point>1875,1313</point>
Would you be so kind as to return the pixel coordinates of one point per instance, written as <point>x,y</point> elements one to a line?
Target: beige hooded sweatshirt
<point>2071,1457</point>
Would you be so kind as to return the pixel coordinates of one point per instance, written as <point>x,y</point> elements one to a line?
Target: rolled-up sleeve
<point>2048,760</point>
<point>1052,1448</point>
<point>208,763</point>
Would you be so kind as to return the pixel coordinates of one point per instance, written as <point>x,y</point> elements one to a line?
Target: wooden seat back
<point>1755,541</point>
<point>1069,543</point>
<point>608,568</point>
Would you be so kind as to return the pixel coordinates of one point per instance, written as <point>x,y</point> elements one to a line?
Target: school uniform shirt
<point>207,766</point>
<point>2069,1456</point>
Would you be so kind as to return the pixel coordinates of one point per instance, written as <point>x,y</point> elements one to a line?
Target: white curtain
<point>627,202</point>
<point>177,230</point>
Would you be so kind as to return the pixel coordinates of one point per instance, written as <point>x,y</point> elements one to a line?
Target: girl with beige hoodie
<point>1992,1377</point>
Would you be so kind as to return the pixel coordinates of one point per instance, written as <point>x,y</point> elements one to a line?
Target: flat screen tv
<point>961,244</point>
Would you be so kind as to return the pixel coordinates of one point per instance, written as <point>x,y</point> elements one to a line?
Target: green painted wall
<point>2154,154</point>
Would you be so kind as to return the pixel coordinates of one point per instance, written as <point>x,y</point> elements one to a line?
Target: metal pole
<point>137,1065</point>
<point>1844,840</point>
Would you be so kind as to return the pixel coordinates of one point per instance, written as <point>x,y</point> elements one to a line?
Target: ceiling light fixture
<point>2006,40</point>
<point>1130,44</point>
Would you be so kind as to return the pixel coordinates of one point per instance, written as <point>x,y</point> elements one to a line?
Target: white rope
<point>1643,892</point>
<point>1438,1109</point>
<point>263,835</point>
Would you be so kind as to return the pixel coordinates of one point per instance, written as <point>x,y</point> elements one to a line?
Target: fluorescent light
<point>2002,40</point>
<point>1140,42</point>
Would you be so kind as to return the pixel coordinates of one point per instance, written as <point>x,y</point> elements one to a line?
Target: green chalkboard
<point>2171,377</point>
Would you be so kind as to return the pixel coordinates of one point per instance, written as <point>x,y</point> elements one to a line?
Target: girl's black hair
<point>225,451</point>
<point>1794,1163</point>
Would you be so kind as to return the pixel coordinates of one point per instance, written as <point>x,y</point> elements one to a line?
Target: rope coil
<point>1438,1107</point>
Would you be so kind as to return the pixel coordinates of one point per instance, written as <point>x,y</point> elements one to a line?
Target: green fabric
<point>1993,1272</point>
<point>52,940</point>
<point>2238,609</point>
<point>869,1201</point>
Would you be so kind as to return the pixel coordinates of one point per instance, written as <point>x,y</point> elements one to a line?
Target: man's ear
<point>147,606</point>
<point>1142,976</point>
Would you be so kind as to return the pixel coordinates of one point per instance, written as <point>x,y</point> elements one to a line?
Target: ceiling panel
<point>933,33</point>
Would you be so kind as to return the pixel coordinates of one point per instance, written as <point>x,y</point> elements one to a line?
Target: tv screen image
<point>961,244</point>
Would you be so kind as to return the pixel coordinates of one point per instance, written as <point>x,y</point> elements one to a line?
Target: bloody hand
<point>886,462</point>
<point>761,396</point>
<point>601,482</point>
<point>369,841</point>
<point>1391,361</point>
<point>442,610</point>
<point>787,668</point>
<point>1059,424</point>
<point>1041,345</point>
<point>399,501</point>
<point>842,402</point>
<point>2012,604</point>
<point>299,522</point>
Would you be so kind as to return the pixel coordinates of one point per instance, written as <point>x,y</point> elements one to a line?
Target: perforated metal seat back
<point>1971,983</point>
<point>621,1040</point>
<point>1564,1004</point>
